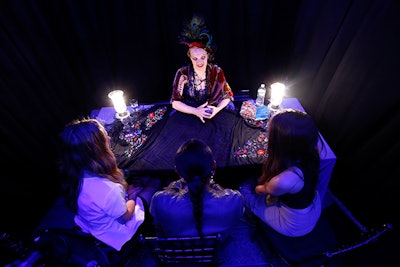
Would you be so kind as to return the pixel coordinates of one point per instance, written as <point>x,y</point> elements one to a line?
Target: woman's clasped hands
<point>204,111</point>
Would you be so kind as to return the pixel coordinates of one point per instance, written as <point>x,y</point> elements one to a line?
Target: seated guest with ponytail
<point>194,205</point>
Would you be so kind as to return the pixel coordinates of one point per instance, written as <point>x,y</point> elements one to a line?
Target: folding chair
<point>184,251</point>
<point>324,244</point>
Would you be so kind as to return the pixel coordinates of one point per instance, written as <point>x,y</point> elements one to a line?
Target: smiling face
<point>199,58</point>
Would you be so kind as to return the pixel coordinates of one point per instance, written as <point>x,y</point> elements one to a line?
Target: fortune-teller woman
<point>286,198</point>
<point>104,205</point>
<point>200,88</point>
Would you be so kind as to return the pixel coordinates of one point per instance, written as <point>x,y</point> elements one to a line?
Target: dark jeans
<point>133,248</point>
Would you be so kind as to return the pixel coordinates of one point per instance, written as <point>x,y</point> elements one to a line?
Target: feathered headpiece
<point>196,34</point>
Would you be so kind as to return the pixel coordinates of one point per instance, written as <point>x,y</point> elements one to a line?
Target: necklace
<point>197,81</point>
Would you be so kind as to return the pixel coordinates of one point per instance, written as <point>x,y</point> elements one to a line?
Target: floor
<point>243,249</point>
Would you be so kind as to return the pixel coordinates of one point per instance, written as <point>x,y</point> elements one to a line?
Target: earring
<point>211,180</point>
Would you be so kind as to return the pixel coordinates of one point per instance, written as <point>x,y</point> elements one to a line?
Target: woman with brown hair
<point>286,197</point>
<point>95,189</point>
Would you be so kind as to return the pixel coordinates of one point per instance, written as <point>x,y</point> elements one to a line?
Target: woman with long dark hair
<point>286,197</point>
<point>194,205</point>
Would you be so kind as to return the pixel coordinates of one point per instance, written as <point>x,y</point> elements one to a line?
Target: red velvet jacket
<point>219,90</point>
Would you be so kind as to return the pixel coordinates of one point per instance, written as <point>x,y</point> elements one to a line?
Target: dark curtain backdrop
<point>59,59</point>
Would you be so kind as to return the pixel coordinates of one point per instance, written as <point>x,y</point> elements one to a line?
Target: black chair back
<point>184,251</point>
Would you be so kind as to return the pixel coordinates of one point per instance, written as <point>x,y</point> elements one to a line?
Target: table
<point>147,143</point>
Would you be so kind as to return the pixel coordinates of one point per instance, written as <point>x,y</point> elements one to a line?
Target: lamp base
<point>122,115</point>
<point>272,109</point>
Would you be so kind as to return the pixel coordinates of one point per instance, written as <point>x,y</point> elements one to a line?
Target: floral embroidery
<point>153,117</point>
<point>134,133</point>
<point>255,148</point>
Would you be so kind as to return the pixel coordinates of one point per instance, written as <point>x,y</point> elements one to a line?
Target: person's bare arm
<point>130,210</point>
<point>202,111</point>
<point>285,182</point>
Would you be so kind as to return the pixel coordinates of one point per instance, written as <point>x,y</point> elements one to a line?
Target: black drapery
<point>59,59</point>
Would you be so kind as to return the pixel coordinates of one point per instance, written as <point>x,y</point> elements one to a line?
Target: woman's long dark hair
<point>194,162</point>
<point>85,147</point>
<point>292,141</point>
